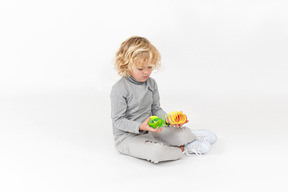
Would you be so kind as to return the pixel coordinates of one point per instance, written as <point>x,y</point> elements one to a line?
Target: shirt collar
<point>132,80</point>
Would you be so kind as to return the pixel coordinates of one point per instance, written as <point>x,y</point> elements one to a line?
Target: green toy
<point>155,122</point>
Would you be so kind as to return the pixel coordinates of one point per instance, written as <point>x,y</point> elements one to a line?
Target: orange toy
<point>176,117</point>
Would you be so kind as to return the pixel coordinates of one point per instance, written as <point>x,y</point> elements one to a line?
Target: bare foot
<point>182,148</point>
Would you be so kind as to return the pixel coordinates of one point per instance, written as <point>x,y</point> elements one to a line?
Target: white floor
<point>62,141</point>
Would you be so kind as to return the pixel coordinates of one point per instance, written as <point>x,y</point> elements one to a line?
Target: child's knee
<point>174,136</point>
<point>183,136</point>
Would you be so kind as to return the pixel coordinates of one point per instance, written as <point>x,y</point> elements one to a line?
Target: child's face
<point>142,73</point>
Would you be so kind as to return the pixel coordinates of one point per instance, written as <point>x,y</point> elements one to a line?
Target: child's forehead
<point>143,65</point>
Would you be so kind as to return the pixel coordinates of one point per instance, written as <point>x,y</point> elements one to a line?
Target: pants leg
<point>145,147</point>
<point>174,136</point>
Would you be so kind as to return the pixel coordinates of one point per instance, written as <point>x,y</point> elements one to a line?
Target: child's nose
<point>146,71</point>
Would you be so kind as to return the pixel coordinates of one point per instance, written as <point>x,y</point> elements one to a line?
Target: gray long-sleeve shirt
<point>132,102</point>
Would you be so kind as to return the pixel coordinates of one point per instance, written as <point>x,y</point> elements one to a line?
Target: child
<point>135,97</point>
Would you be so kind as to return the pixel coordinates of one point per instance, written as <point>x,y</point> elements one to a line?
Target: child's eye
<point>150,67</point>
<point>140,69</point>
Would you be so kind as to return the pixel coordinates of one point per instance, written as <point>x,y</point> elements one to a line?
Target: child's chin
<point>143,80</point>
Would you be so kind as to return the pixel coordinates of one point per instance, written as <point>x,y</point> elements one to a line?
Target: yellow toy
<point>176,117</point>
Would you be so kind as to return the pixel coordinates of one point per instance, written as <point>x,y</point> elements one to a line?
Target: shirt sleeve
<point>156,109</point>
<point>118,111</point>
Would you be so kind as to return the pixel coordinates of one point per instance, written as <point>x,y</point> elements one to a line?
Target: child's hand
<point>176,125</point>
<point>145,127</point>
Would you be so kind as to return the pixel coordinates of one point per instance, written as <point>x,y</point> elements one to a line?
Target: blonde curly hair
<point>135,52</point>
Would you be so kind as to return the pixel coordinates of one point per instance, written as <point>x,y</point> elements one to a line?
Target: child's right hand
<point>145,127</point>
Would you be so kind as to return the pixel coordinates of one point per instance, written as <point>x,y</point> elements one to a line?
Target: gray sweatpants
<point>156,147</point>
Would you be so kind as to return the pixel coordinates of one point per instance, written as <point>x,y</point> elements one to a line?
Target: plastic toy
<point>176,117</point>
<point>155,122</point>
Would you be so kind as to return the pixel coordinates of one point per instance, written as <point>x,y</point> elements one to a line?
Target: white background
<point>224,65</point>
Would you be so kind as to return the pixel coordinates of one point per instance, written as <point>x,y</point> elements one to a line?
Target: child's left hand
<point>176,125</point>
